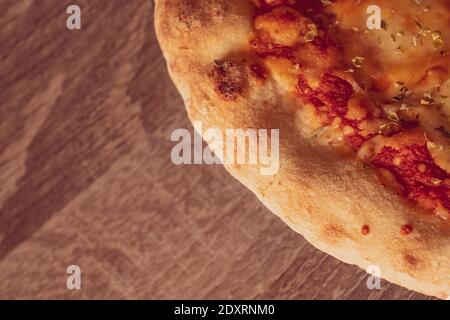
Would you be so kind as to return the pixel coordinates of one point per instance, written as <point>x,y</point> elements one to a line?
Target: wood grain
<point>86,176</point>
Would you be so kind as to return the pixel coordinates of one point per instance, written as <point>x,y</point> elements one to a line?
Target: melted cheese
<point>403,50</point>
<point>283,25</point>
<point>384,94</point>
<point>284,72</point>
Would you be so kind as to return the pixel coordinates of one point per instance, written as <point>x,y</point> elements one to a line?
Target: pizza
<point>360,93</point>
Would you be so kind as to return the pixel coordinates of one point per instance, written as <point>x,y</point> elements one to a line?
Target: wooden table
<point>86,176</point>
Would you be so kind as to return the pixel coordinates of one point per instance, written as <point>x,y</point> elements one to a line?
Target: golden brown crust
<point>321,194</point>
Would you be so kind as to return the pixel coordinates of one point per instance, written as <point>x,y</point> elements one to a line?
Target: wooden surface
<point>86,176</point>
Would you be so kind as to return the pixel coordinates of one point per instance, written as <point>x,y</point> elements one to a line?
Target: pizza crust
<point>323,195</point>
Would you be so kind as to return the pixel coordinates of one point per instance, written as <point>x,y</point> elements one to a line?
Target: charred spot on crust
<point>411,261</point>
<point>230,79</point>
<point>193,14</point>
<point>258,71</point>
<point>334,232</point>
<point>406,229</point>
<point>365,229</point>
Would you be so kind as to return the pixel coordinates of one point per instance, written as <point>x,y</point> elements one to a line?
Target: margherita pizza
<point>363,112</point>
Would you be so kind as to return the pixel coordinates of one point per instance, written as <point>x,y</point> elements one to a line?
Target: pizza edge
<point>325,197</point>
